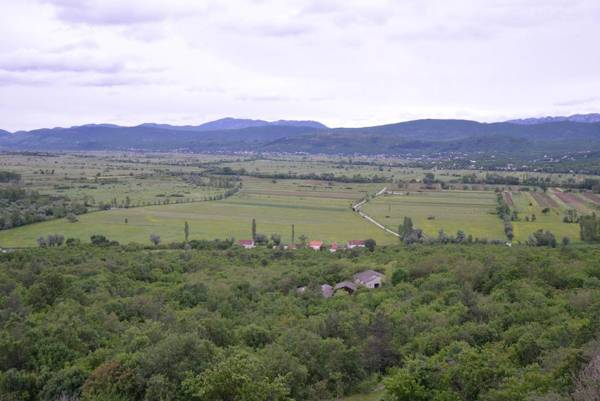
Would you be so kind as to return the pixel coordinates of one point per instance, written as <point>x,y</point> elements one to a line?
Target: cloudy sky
<point>345,63</point>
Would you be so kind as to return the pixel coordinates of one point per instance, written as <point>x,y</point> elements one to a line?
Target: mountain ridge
<point>576,118</point>
<point>416,137</point>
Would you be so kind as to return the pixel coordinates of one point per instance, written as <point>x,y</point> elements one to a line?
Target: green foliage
<point>9,176</point>
<point>370,244</point>
<point>589,228</point>
<point>20,207</point>
<point>542,238</point>
<point>241,377</point>
<point>457,323</point>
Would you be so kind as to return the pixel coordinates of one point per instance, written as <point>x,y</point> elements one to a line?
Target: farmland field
<point>529,204</point>
<point>470,211</point>
<point>102,178</point>
<point>318,211</point>
<point>165,190</point>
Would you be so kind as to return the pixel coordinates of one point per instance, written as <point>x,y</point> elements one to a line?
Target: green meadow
<point>526,206</point>
<point>317,217</point>
<point>470,211</point>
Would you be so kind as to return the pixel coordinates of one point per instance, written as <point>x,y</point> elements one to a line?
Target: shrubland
<point>452,322</point>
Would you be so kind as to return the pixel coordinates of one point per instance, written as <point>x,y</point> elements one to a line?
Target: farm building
<point>355,243</point>
<point>369,279</point>
<point>315,244</point>
<point>247,243</point>
<point>326,290</point>
<point>333,248</point>
<point>347,286</point>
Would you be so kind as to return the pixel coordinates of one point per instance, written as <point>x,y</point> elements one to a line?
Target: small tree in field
<point>276,238</point>
<point>155,239</point>
<point>370,244</point>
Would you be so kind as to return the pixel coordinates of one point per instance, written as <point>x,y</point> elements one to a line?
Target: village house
<point>315,244</point>
<point>247,243</point>
<point>333,248</point>
<point>355,243</point>
<point>369,279</point>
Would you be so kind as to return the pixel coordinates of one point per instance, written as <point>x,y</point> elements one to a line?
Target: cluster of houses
<point>317,245</point>
<point>368,279</point>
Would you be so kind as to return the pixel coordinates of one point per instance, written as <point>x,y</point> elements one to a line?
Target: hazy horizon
<point>353,63</point>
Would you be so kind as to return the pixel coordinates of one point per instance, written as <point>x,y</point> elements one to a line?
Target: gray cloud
<point>112,81</point>
<point>57,64</point>
<point>346,62</point>
<point>251,98</point>
<point>579,102</point>
<point>107,13</point>
<point>445,33</point>
<point>11,79</point>
<point>282,30</point>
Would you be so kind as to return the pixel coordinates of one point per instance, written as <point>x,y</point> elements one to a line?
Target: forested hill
<point>455,322</point>
<point>434,136</point>
<point>420,137</point>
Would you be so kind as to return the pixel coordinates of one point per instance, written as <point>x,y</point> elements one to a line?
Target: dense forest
<point>453,322</point>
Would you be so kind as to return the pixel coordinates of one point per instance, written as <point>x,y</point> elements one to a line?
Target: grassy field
<point>474,213</point>
<point>318,210</point>
<point>470,211</point>
<point>392,169</point>
<point>104,177</point>
<point>526,205</point>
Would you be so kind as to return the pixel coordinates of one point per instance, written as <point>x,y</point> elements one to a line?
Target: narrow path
<point>365,216</point>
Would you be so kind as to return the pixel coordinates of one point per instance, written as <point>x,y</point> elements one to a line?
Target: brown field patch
<point>544,200</point>
<point>595,198</point>
<point>570,199</point>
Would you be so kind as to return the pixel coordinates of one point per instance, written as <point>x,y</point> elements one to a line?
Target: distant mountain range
<point>576,118</point>
<point>419,137</point>
<point>229,123</point>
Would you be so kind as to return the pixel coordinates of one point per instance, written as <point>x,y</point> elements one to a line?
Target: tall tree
<point>186,231</point>
<point>293,235</point>
<point>406,227</point>
<point>253,229</point>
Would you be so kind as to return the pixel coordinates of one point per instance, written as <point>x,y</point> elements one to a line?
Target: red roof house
<point>247,243</point>
<point>315,244</point>
<point>356,243</point>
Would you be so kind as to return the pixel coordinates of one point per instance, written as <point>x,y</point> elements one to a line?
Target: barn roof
<point>367,275</point>
<point>345,284</point>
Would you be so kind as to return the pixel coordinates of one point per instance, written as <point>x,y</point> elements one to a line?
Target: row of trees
<point>356,178</point>
<point>19,207</point>
<point>9,176</point>
<point>507,216</point>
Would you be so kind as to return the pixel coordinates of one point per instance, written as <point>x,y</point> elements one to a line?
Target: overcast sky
<point>344,63</point>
